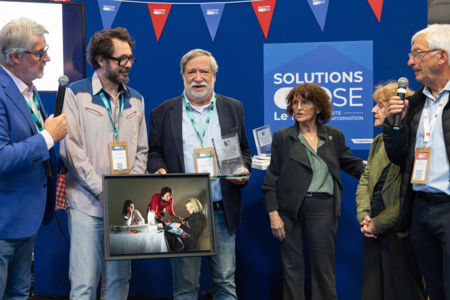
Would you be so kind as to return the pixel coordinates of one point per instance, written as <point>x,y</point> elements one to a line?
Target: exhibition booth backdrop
<point>240,47</point>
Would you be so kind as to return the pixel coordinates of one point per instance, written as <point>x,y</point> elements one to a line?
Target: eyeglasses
<point>40,54</point>
<point>303,103</point>
<point>418,54</point>
<point>123,60</point>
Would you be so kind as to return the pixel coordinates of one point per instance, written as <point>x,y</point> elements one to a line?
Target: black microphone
<point>401,92</point>
<point>63,82</point>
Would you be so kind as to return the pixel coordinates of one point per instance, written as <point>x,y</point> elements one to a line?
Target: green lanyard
<point>38,108</point>
<point>108,108</point>
<point>191,116</point>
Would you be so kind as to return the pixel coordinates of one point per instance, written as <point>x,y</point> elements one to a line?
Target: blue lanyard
<point>191,116</point>
<point>108,108</point>
<point>38,108</point>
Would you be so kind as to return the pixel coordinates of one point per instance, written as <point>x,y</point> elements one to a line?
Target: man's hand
<point>100,198</point>
<point>277,225</point>
<point>161,171</point>
<point>56,127</point>
<point>396,106</point>
<point>240,180</point>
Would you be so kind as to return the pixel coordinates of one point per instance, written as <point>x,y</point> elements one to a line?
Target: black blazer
<point>166,145</point>
<point>289,174</point>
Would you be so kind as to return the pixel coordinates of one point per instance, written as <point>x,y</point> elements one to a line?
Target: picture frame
<point>157,238</point>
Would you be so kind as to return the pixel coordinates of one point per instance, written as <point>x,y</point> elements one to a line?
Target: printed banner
<point>377,7</point>
<point>159,13</point>
<point>319,9</point>
<point>343,69</point>
<point>108,11</point>
<point>264,12</point>
<point>213,14</point>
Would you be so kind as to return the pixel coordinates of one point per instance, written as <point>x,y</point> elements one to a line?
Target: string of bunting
<point>212,12</point>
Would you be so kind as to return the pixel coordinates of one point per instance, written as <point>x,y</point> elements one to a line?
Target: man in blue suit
<point>28,165</point>
<point>178,127</point>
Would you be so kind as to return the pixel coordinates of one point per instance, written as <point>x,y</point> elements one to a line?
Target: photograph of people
<point>159,203</point>
<point>131,216</point>
<point>192,227</point>
<point>390,268</point>
<point>303,191</point>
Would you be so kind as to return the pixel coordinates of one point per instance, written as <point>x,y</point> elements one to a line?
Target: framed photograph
<point>155,216</point>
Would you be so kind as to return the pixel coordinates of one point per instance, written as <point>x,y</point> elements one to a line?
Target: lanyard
<point>38,108</point>
<point>191,116</point>
<point>428,127</point>
<point>108,108</point>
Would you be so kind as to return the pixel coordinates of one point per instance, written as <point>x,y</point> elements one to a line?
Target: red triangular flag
<point>377,6</point>
<point>264,12</point>
<point>159,14</point>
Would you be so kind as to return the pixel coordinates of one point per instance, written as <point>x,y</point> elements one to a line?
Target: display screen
<point>66,38</point>
<point>154,216</point>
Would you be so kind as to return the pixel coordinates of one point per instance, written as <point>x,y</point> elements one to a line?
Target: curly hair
<point>101,44</point>
<point>385,91</point>
<point>314,93</point>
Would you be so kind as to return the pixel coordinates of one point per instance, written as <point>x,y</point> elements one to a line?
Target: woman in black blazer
<point>303,191</point>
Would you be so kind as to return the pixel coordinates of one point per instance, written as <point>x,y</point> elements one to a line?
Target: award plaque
<point>229,157</point>
<point>263,141</point>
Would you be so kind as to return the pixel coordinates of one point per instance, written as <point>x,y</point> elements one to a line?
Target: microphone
<point>63,82</point>
<point>401,92</point>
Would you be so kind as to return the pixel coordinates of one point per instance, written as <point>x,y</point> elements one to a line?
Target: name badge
<point>118,154</point>
<point>421,163</point>
<point>205,161</point>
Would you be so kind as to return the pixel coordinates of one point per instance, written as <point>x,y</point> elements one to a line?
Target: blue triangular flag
<point>319,8</point>
<point>108,11</point>
<point>213,14</point>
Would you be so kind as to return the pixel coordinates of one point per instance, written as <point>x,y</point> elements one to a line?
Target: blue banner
<point>213,14</point>
<point>343,69</point>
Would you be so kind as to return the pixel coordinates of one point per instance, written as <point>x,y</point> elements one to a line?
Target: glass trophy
<point>229,157</point>
<point>263,140</point>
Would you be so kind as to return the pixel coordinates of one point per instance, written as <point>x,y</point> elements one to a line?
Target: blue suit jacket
<point>166,145</point>
<point>27,193</point>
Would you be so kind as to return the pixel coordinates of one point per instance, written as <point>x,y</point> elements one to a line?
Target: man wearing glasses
<point>422,147</point>
<point>108,134</point>
<point>28,165</point>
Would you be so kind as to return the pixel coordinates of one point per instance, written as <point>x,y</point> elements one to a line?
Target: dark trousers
<point>431,244</point>
<point>316,221</point>
<point>390,269</point>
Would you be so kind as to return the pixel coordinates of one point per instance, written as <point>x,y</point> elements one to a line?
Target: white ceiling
<point>439,11</point>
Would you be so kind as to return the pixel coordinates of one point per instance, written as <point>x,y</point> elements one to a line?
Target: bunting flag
<point>319,9</point>
<point>159,13</point>
<point>212,14</point>
<point>377,7</point>
<point>108,11</point>
<point>264,12</point>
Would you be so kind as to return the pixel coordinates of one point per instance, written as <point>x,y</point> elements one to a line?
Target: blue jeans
<point>186,271</point>
<point>86,261</point>
<point>15,268</point>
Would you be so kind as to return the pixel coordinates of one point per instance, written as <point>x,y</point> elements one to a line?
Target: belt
<point>218,205</point>
<point>433,198</point>
<point>317,195</point>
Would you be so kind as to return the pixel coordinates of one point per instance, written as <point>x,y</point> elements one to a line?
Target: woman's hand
<point>277,225</point>
<point>368,228</point>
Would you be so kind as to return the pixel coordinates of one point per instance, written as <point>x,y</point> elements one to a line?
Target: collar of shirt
<point>427,92</point>
<point>97,86</point>
<point>200,108</point>
<point>19,83</point>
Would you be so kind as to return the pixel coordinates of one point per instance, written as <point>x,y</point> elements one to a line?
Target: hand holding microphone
<point>56,126</point>
<point>401,92</point>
